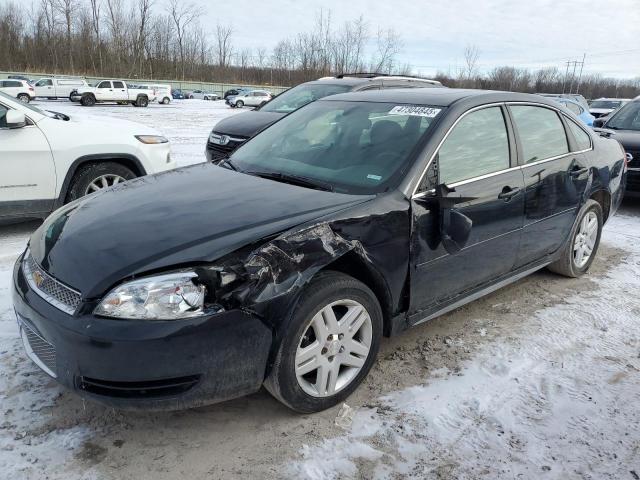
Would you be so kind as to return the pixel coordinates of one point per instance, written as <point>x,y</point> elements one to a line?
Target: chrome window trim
<point>446,135</point>
<point>537,162</point>
<point>584,130</point>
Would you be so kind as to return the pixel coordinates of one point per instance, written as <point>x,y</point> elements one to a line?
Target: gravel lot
<point>538,380</point>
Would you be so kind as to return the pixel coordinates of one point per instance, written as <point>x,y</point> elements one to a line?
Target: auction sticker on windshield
<point>415,110</point>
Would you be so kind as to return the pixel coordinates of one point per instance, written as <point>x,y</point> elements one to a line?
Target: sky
<point>521,33</point>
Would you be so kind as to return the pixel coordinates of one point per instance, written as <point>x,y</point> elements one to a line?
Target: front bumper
<point>158,365</point>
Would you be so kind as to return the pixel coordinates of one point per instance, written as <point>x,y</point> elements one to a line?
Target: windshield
<point>608,104</point>
<point>353,147</point>
<point>27,105</point>
<point>299,96</point>
<point>627,118</point>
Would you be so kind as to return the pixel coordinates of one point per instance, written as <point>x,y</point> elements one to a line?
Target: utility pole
<point>584,56</point>
<point>575,64</point>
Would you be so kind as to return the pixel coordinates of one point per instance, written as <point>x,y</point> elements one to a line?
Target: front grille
<point>143,389</point>
<point>39,350</point>
<point>54,292</point>
<point>218,151</point>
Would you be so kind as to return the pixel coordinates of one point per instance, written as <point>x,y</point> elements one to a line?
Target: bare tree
<point>224,50</point>
<point>182,16</point>
<point>471,56</point>
<point>96,6</point>
<point>389,44</point>
<point>66,9</point>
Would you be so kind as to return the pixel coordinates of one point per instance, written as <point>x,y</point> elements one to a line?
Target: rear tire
<point>319,349</point>
<point>165,101</point>
<point>584,239</point>
<point>142,101</point>
<point>24,98</point>
<point>93,172</point>
<point>88,101</point>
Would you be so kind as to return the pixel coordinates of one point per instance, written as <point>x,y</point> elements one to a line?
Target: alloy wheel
<point>102,182</point>
<point>585,239</point>
<point>334,347</point>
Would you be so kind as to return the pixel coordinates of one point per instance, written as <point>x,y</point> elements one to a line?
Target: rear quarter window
<point>541,132</point>
<point>583,141</point>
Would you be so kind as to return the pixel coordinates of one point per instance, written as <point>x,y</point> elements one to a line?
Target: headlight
<point>164,297</point>
<point>152,139</point>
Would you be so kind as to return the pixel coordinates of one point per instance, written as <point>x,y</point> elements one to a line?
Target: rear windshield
<point>299,96</point>
<point>355,147</point>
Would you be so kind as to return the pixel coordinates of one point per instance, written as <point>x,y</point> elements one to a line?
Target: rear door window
<point>478,145</point>
<point>541,132</point>
<point>118,85</point>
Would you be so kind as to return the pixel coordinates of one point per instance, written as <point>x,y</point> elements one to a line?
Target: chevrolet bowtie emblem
<point>37,278</point>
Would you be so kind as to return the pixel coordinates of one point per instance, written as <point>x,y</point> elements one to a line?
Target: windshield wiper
<point>294,180</point>
<point>227,161</point>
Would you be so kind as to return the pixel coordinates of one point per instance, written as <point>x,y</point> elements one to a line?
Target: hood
<point>630,139</point>
<point>246,124</point>
<point>186,216</point>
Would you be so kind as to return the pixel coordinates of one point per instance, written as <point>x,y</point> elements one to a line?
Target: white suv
<point>19,89</point>
<point>254,98</point>
<point>48,159</point>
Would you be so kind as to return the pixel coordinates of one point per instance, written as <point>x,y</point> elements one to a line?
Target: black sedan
<point>357,216</point>
<point>624,126</point>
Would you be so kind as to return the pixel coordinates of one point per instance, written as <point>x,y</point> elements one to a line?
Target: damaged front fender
<point>279,267</point>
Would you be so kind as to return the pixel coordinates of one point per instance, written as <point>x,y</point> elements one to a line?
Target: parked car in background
<point>254,98</point>
<point>202,95</point>
<point>577,109</point>
<point>623,125</point>
<point>229,133</point>
<point>573,96</point>
<point>162,93</point>
<point>21,77</point>
<point>602,107</point>
<point>177,94</point>
<point>53,87</point>
<point>48,159</point>
<point>361,215</point>
<point>236,91</point>
<point>20,89</point>
<point>113,91</point>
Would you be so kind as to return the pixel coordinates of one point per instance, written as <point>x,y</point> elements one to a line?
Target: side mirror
<point>15,119</point>
<point>455,227</point>
<point>599,122</point>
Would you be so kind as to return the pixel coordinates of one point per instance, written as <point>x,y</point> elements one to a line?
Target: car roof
<point>440,97</point>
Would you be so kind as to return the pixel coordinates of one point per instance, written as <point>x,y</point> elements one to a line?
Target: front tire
<point>581,248</point>
<point>88,101</point>
<point>331,343</point>
<point>97,176</point>
<point>239,104</point>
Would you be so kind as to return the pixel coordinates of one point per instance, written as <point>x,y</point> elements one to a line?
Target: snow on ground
<point>555,399</point>
<point>538,380</point>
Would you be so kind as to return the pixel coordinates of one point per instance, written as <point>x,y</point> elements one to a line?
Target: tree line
<point>149,39</point>
<point>153,40</point>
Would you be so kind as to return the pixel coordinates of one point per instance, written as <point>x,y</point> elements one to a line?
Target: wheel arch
<point>603,197</point>
<point>125,159</point>
<point>353,265</point>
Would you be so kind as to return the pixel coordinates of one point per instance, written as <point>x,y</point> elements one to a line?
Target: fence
<point>218,88</point>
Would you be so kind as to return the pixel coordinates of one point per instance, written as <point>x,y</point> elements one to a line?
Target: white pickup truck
<point>112,91</point>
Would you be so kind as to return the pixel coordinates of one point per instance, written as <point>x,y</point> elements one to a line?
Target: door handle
<point>508,193</point>
<point>577,171</point>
